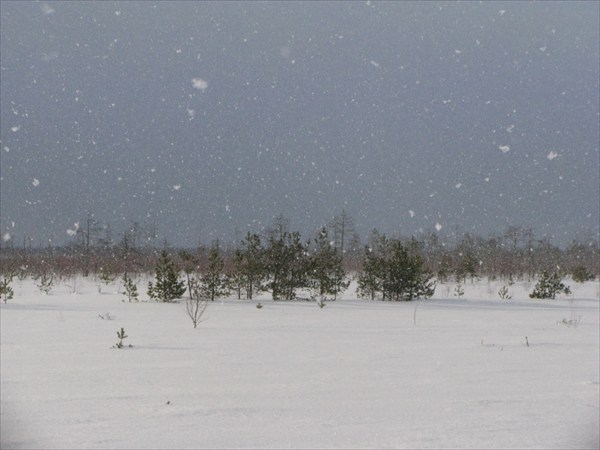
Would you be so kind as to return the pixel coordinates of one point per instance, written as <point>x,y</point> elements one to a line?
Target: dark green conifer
<point>167,286</point>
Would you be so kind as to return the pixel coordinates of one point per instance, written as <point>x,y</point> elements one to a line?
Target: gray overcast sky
<point>205,117</point>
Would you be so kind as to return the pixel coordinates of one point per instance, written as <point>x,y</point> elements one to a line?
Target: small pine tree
<point>548,286</point>
<point>44,282</point>
<point>467,267</point>
<point>249,266</point>
<point>395,272</point>
<point>214,282</point>
<point>581,274</point>
<point>372,277</point>
<point>6,291</point>
<point>167,286</point>
<point>458,290</point>
<point>325,272</point>
<point>130,288</point>
<point>286,264</point>
<point>105,277</point>
<point>503,293</point>
<point>121,335</point>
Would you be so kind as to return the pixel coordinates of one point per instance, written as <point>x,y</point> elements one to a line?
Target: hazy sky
<point>203,118</point>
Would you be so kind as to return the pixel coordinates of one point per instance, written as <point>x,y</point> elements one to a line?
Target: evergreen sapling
<point>130,287</point>
<point>167,286</point>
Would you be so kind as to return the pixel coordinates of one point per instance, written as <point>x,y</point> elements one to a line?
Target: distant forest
<point>515,254</point>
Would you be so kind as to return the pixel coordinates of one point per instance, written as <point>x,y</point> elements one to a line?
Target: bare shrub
<point>195,308</point>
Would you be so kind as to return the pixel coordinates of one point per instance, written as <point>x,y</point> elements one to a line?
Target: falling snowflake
<point>438,226</point>
<point>411,212</point>
<point>6,237</point>
<point>35,182</point>
<point>47,9</point>
<point>15,128</point>
<point>199,83</point>
<point>176,187</point>
<point>504,148</point>
<point>73,231</point>
<point>552,155</point>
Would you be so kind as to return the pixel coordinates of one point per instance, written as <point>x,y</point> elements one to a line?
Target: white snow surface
<point>355,374</point>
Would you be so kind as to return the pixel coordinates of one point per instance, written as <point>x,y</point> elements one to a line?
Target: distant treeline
<point>515,254</point>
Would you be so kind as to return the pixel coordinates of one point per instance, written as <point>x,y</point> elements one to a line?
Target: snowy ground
<point>355,374</point>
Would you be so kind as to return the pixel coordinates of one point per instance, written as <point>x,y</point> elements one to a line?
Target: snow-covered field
<point>355,374</point>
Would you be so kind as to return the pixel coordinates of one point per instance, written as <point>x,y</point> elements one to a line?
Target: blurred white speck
<point>15,128</point>
<point>6,149</point>
<point>438,226</point>
<point>47,9</point>
<point>73,231</point>
<point>411,212</point>
<point>176,187</point>
<point>458,185</point>
<point>374,63</point>
<point>6,237</point>
<point>117,13</point>
<point>552,155</point>
<point>501,12</point>
<point>227,208</point>
<point>199,83</point>
<point>504,148</point>
<point>35,182</point>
